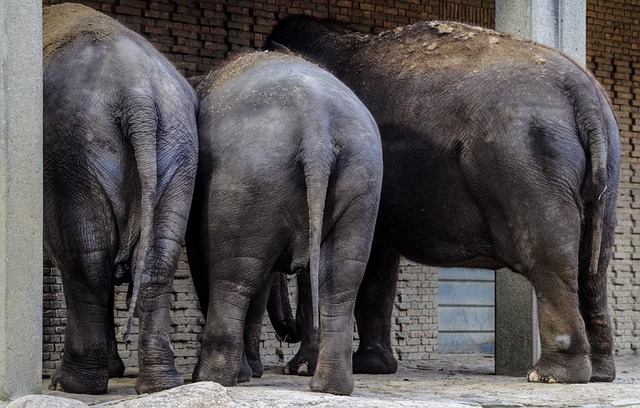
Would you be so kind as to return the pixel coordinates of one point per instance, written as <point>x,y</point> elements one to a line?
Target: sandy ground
<point>451,380</point>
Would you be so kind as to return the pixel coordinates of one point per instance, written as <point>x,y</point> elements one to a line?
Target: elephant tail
<point>598,129</point>
<point>318,159</point>
<point>139,127</point>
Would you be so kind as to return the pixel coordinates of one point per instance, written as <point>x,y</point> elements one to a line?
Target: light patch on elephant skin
<point>563,341</point>
<point>534,376</point>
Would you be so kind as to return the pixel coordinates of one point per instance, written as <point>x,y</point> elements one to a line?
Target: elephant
<point>120,149</point>
<point>498,152</point>
<point>289,178</point>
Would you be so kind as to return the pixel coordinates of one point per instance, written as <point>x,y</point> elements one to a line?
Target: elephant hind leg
<point>87,282</point>
<point>593,300</point>
<point>234,282</point>
<point>565,348</point>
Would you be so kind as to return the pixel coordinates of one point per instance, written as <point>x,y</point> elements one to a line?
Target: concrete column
<point>20,198</point>
<point>517,338</point>
<point>560,24</point>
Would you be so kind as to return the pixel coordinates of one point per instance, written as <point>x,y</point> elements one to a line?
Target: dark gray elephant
<point>498,152</point>
<point>120,157</point>
<point>289,179</point>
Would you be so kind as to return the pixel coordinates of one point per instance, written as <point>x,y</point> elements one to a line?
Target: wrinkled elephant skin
<point>289,179</point>
<point>498,152</point>
<point>120,156</point>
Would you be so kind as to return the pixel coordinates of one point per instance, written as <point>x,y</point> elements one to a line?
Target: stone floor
<point>449,381</point>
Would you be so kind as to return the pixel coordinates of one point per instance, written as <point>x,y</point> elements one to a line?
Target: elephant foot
<point>603,368</point>
<point>93,381</point>
<point>246,372</point>
<point>116,368</point>
<point>157,379</point>
<point>561,368</point>
<point>257,369</point>
<point>374,361</point>
<point>303,363</point>
<point>329,381</point>
<point>227,376</point>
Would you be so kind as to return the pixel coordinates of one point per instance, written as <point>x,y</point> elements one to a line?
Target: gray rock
<point>202,394</point>
<point>264,397</point>
<point>48,401</point>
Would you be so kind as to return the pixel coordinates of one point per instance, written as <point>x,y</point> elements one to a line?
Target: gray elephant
<point>120,156</point>
<point>289,179</point>
<point>498,152</point>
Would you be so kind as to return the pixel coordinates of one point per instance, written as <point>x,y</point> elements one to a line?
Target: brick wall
<point>196,34</point>
<point>414,329</point>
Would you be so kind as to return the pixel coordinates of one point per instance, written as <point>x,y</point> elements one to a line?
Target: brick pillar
<point>20,197</point>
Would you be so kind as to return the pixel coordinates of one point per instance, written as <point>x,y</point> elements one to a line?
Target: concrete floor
<point>449,381</point>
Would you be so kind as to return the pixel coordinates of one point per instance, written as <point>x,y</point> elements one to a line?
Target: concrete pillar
<point>517,339</point>
<point>20,198</point>
<point>560,24</point>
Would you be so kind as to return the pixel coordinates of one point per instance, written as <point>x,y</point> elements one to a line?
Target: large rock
<point>264,397</point>
<point>45,401</point>
<point>198,395</point>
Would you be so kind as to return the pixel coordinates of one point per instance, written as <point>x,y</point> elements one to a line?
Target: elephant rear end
<point>120,155</point>
<point>289,180</point>
<point>499,152</point>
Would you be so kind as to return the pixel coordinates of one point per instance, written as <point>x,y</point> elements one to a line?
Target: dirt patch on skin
<point>63,23</point>
<point>432,45</point>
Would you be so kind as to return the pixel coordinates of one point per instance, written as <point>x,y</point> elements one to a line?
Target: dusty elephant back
<point>63,23</point>
<point>426,51</point>
<point>433,45</point>
<point>237,66</point>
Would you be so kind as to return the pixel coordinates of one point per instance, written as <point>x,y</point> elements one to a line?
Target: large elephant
<point>289,179</point>
<point>498,152</point>
<point>120,156</point>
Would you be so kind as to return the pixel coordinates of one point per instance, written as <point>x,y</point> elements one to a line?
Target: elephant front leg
<point>306,359</point>
<point>157,370</point>
<point>374,307</point>
<point>565,348</point>
<point>252,330</point>
<point>115,364</point>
